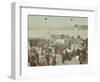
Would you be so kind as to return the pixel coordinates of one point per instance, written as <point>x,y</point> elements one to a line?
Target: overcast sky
<point>50,22</point>
<point>43,26</point>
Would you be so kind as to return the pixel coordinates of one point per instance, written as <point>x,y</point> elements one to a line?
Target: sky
<point>55,22</point>
<point>43,26</point>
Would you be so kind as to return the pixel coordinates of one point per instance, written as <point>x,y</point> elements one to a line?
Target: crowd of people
<point>57,50</point>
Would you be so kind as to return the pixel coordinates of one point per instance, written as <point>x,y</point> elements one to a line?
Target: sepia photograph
<point>53,41</point>
<point>57,40</point>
